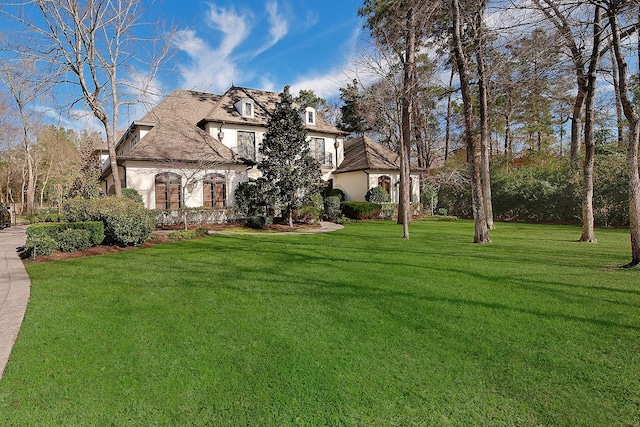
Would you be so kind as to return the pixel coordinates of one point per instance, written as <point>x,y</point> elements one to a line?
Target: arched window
<point>384,181</point>
<point>168,191</point>
<point>214,187</point>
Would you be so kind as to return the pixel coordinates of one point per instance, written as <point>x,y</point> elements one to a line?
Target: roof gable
<point>174,134</point>
<point>362,153</point>
<point>181,142</point>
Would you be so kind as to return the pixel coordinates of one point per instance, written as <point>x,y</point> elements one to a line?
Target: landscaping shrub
<point>132,194</point>
<point>76,210</point>
<point>377,195</point>
<point>259,221</point>
<point>388,210</point>
<point>194,216</point>
<point>332,211</point>
<point>539,192</point>
<point>40,245</point>
<point>44,215</point>
<point>316,201</point>
<point>72,240</point>
<point>455,199</point>
<point>338,193</point>
<point>94,229</point>
<point>183,235</point>
<point>361,210</point>
<point>126,223</point>
<point>308,214</point>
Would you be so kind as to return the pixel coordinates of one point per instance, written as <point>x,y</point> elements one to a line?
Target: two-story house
<point>194,148</point>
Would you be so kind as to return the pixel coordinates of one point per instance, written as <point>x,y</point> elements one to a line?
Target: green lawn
<point>357,327</point>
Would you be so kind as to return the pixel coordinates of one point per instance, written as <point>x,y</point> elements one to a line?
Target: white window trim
<point>313,115</point>
<point>241,107</point>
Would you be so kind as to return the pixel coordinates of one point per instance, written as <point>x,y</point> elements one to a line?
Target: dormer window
<point>245,107</point>
<point>310,116</point>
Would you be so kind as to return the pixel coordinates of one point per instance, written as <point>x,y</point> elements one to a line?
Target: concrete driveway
<point>15,288</point>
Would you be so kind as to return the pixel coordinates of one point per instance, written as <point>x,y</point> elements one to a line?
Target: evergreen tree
<point>308,98</point>
<point>289,172</point>
<point>352,112</point>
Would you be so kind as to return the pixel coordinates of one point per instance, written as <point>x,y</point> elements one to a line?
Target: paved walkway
<point>14,289</point>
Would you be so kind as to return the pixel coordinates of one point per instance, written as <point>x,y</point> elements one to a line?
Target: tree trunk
<point>484,112</point>
<point>404,208</point>
<point>481,232</point>
<point>619,113</point>
<point>576,126</point>
<point>589,140</point>
<point>631,114</point>
<point>447,130</point>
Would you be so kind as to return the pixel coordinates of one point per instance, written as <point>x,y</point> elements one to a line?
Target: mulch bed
<point>157,237</point>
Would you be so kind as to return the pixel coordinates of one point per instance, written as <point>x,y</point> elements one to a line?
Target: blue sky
<point>308,44</point>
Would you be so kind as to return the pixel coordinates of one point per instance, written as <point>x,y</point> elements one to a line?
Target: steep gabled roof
<point>181,142</point>
<point>362,153</point>
<point>265,102</point>
<point>174,134</point>
<point>184,105</point>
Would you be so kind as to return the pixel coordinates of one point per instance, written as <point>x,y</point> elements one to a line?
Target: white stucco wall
<point>353,184</point>
<point>356,184</point>
<point>141,176</point>
<point>230,139</point>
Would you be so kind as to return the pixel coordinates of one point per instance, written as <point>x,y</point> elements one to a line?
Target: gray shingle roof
<point>225,111</point>
<point>362,153</point>
<point>175,135</point>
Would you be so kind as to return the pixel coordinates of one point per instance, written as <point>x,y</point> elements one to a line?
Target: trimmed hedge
<point>40,245</point>
<point>77,210</point>
<point>44,239</point>
<point>126,222</point>
<point>308,214</point>
<point>95,230</point>
<point>73,240</point>
<point>361,210</point>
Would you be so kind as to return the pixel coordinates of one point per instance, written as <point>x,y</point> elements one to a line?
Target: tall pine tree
<point>290,173</point>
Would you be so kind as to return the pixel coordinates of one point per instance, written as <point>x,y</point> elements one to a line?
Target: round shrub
<point>338,193</point>
<point>132,194</point>
<point>332,210</point>
<point>77,210</point>
<point>126,223</point>
<point>40,245</point>
<point>377,195</point>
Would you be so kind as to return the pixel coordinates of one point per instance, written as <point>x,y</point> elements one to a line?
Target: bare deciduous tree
<point>93,41</point>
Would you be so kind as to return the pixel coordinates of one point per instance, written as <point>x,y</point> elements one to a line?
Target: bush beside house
<point>44,239</point>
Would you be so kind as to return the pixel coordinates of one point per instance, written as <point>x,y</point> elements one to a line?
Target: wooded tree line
<point>546,77</point>
<point>49,165</point>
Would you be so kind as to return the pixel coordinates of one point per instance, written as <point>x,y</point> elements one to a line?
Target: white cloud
<point>279,26</point>
<point>233,25</point>
<point>209,68</point>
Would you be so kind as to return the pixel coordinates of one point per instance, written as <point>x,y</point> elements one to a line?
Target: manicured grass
<point>355,327</point>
